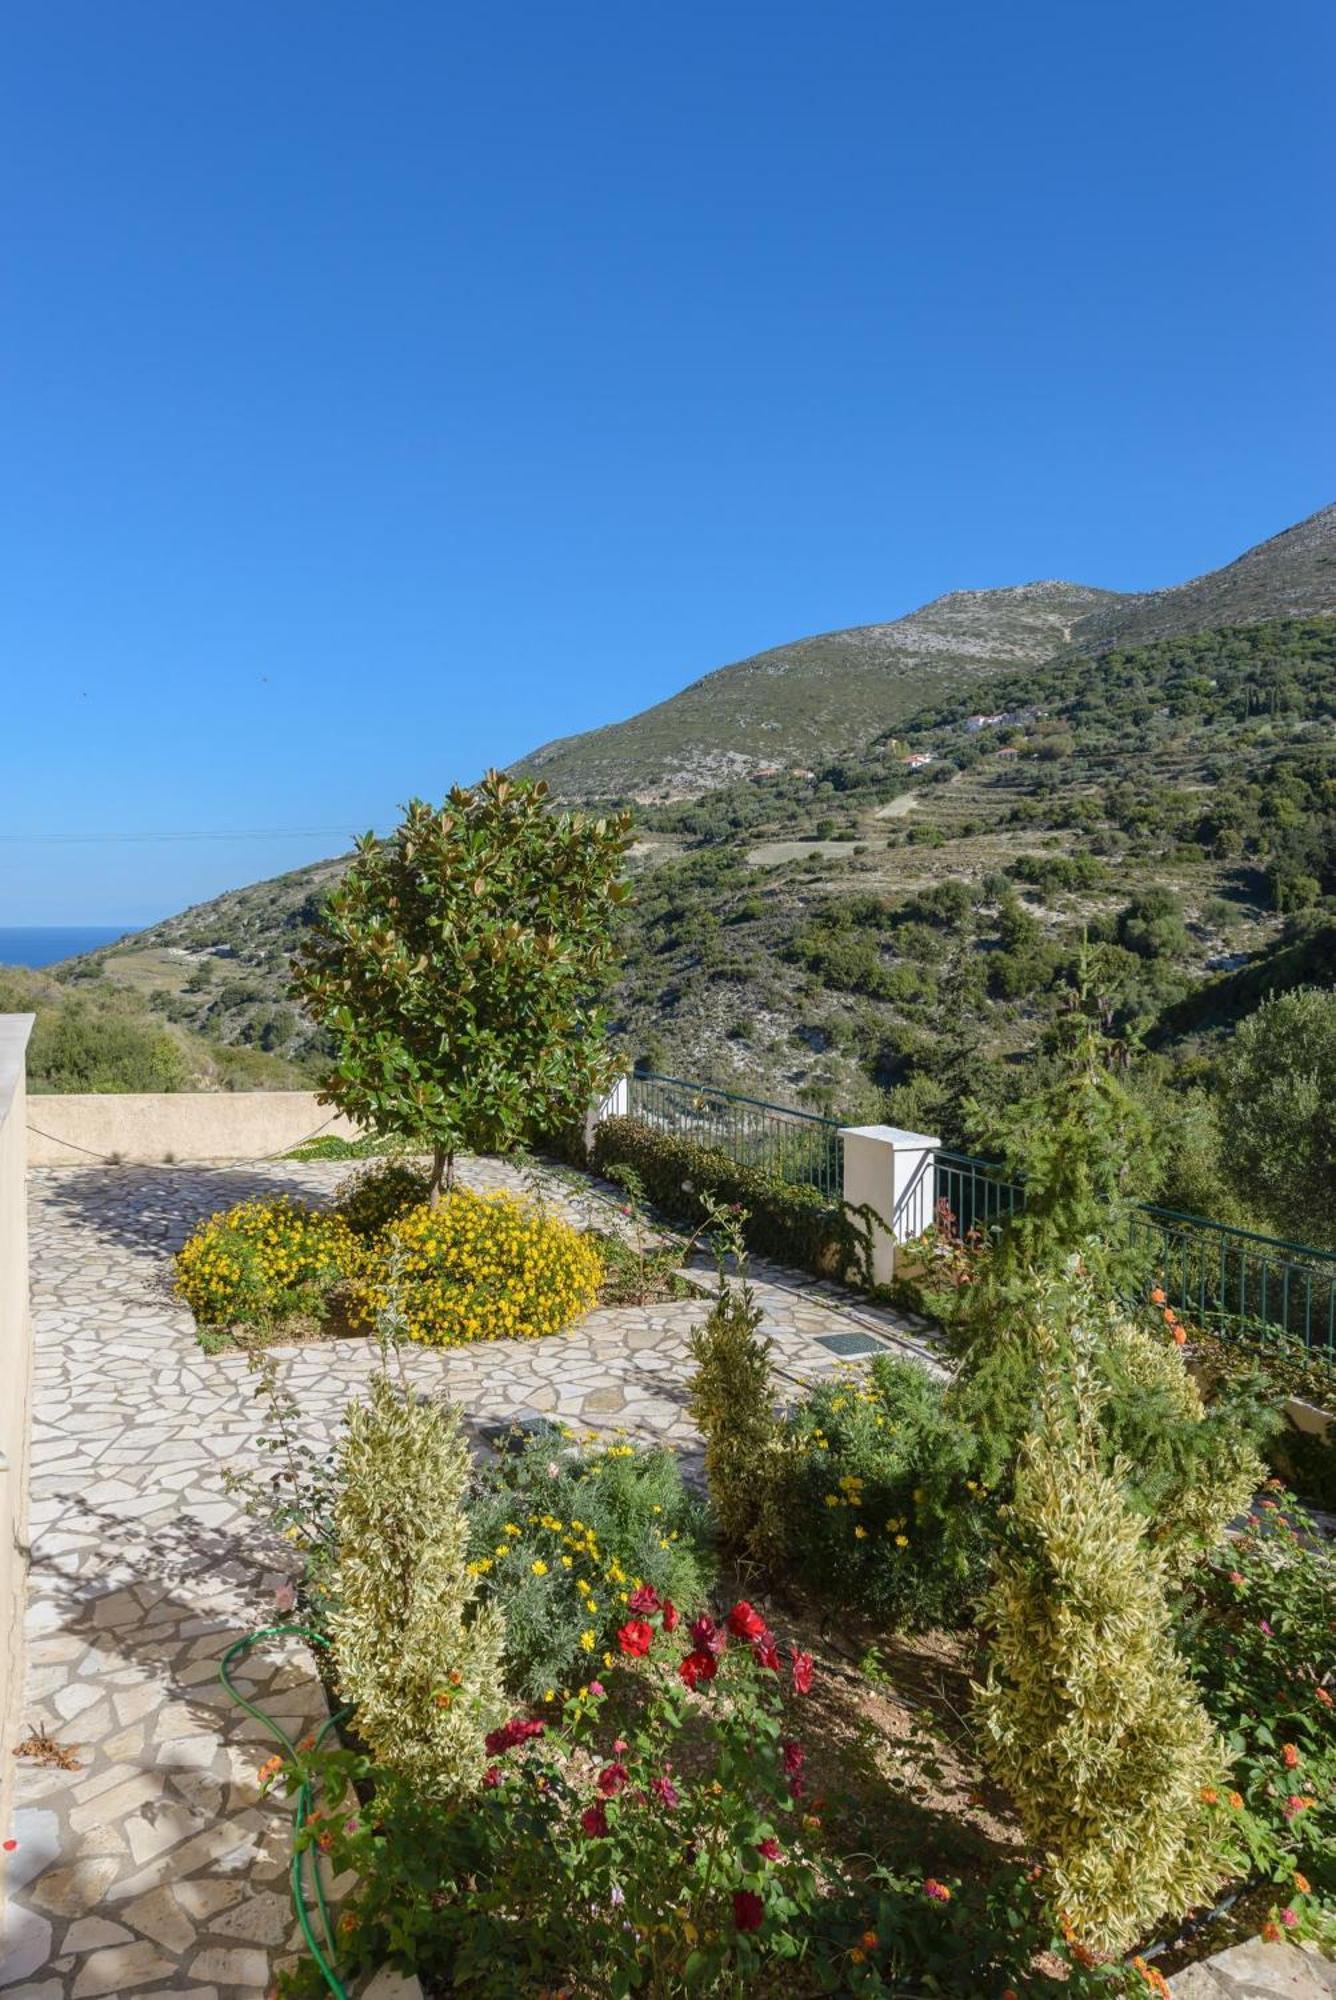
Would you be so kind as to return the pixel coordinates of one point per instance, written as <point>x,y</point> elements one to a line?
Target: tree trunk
<point>442,1172</point>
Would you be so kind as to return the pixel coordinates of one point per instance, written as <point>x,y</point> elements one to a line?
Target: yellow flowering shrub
<point>479,1267</point>
<point>263,1262</point>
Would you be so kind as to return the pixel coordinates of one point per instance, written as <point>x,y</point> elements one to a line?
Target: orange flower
<point>1210,1796</point>
<point>1236,1800</point>
<point>1270,1933</point>
<point>1301,1883</point>
<point>1157,1296</point>
<point>1180,1337</point>
<point>870,1940</point>
<point>1289,1755</point>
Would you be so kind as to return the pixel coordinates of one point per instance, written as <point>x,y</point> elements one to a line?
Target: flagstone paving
<point>155,1866</point>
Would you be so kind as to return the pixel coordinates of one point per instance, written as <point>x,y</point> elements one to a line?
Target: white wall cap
<point>891,1135</point>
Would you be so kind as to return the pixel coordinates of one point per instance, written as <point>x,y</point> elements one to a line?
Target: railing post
<point>892,1173</point>
<point>615,1104</point>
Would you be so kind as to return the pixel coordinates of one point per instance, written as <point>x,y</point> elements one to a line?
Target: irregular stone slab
<point>120,1969</point>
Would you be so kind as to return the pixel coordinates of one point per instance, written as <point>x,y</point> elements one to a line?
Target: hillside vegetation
<point>804,703</point>
<point>92,1034</point>
<point>891,928</point>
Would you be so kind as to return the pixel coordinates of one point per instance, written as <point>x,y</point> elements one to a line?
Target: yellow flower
<point>587,1641</point>
<point>539,1567</point>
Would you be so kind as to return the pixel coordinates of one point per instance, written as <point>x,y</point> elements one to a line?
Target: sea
<point>46,944</point>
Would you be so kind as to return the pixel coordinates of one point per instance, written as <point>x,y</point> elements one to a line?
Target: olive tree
<point>1278,1113</point>
<point>458,967</point>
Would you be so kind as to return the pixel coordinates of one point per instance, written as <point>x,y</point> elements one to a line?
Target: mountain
<point>820,925</point>
<point>806,703</point>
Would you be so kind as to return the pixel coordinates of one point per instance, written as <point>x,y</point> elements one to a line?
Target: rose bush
<point>561,1537</point>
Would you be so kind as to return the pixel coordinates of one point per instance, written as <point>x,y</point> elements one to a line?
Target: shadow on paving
<point>155,1208</point>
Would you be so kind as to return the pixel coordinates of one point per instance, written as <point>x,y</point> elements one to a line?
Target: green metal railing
<point>1218,1275</point>
<point>1214,1273</point>
<point>976,1191</point>
<point>796,1145</point>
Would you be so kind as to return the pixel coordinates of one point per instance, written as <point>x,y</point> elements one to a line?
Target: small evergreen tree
<point>1081,1144</point>
<point>414,1653</point>
<point>1088,1714</point>
<point>458,967</point>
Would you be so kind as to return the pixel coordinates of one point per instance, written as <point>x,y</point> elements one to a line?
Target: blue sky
<point>390,389</point>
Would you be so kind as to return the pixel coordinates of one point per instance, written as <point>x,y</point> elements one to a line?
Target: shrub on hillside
<point>479,1267</point>
<point>560,1538</point>
<point>1278,1113</point>
<point>264,1262</point>
<point>786,1220</point>
<point>77,1047</point>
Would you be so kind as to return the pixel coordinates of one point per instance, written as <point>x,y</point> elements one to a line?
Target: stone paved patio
<point>156,1867</point>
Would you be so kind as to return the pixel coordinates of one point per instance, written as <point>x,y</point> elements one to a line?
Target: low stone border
<point>1257,1971</point>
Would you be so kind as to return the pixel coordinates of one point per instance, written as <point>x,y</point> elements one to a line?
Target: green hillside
<point>863,932</point>
<point>802,703</point>
<point>805,703</point>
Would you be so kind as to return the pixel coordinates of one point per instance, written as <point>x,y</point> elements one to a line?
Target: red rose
<point>745,1621</point>
<point>748,1910</point>
<point>644,1599</point>
<point>672,1617</point>
<point>492,1775</point>
<point>518,1730</point>
<point>793,1756</point>
<point>771,1849</point>
<point>665,1791</point>
<point>594,1820</point>
<point>611,1779</point>
<point>802,1671</point>
<point>698,1667</point>
<point>636,1637</point>
<point>766,1653</point>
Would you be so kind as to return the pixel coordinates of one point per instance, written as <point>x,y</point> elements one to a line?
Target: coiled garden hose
<point>296,1883</point>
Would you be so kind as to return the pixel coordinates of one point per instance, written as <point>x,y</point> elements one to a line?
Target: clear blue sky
<point>390,388</point>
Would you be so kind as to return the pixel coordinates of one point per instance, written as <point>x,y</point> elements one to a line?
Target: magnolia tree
<point>458,967</point>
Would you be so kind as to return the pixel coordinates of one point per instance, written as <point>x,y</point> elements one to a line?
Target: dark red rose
<point>771,1849</point>
<point>706,1636</point>
<point>644,1599</point>
<point>672,1617</point>
<point>698,1667</point>
<point>611,1779</point>
<point>748,1910</point>
<point>802,1671</point>
<point>518,1730</point>
<point>594,1820</point>
<point>766,1653</point>
<point>492,1775</point>
<point>665,1791</point>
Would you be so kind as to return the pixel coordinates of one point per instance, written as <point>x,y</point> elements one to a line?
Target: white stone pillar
<point>890,1172</point>
<point>616,1104</point>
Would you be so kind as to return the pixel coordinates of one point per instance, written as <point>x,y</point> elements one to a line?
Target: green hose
<point>295,1881</point>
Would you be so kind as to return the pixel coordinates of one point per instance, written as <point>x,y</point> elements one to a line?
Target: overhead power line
<point>235,833</point>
